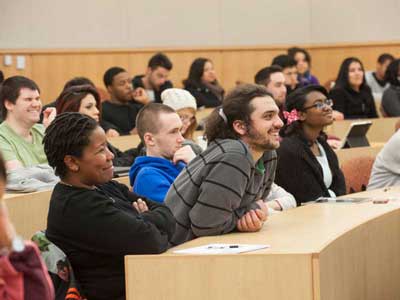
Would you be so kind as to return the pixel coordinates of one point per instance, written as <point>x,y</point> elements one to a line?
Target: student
<point>391,96</point>
<point>274,80</point>
<point>224,188</point>
<point>86,100</point>
<point>23,274</point>
<point>289,69</point>
<point>159,128</point>
<point>155,80</point>
<point>376,80</point>
<point>202,83</point>
<point>308,168</point>
<point>93,220</point>
<point>351,95</point>
<point>119,112</point>
<point>303,64</point>
<point>20,134</point>
<point>386,169</point>
<point>185,106</point>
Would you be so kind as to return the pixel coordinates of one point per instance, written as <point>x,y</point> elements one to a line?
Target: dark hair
<point>342,80</point>
<point>68,134</point>
<point>1,76</point>
<point>160,60</point>
<point>196,72</point>
<point>11,88</point>
<point>70,99</point>
<point>384,57</point>
<point>78,81</point>
<point>235,106</point>
<point>294,50</point>
<point>284,61</point>
<point>146,119</point>
<point>296,100</point>
<point>110,74</point>
<point>263,76</point>
<point>392,72</point>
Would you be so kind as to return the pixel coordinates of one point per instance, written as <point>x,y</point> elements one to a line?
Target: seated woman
<point>303,64</point>
<point>391,96</point>
<point>351,95</point>
<point>93,220</point>
<point>185,105</point>
<point>307,166</point>
<point>19,258</point>
<point>203,85</point>
<point>86,100</point>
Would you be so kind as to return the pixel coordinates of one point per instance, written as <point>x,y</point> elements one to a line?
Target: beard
<point>260,142</point>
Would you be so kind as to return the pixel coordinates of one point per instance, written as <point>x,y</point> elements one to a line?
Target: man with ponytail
<point>225,187</point>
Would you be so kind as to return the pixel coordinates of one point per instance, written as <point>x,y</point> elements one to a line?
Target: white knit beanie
<point>178,99</point>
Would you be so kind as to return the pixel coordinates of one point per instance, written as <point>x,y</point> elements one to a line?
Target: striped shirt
<point>217,188</point>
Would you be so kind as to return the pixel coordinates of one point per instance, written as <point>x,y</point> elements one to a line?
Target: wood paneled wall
<point>52,68</point>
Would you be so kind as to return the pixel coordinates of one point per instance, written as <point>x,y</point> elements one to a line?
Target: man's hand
<point>7,231</point>
<point>184,154</point>
<point>337,115</point>
<point>133,131</point>
<point>140,95</point>
<point>252,221</point>
<point>140,206</point>
<point>112,133</point>
<point>49,114</point>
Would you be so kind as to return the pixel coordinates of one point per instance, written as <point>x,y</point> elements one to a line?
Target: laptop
<point>356,135</point>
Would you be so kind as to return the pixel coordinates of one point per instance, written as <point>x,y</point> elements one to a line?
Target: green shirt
<point>14,147</point>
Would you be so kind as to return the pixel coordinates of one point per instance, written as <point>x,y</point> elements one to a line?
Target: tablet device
<point>357,135</point>
<point>121,171</point>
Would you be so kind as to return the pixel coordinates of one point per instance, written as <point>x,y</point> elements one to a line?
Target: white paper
<point>222,249</point>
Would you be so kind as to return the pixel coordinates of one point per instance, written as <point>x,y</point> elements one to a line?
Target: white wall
<point>169,23</point>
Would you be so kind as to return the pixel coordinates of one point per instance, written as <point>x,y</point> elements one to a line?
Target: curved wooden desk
<point>319,251</point>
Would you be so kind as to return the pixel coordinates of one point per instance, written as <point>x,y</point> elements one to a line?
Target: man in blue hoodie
<point>159,128</point>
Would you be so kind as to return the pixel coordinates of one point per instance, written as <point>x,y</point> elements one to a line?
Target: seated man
<point>376,80</point>
<point>273,79</point>
<point>155,81</point>
<point>119,113</point>
<point>224,188</point>
<point>289,70</point>
<point>159,128</point>
<point>20,135</point>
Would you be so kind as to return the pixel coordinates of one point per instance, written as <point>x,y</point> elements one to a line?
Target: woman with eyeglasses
<point>307,167</point>
<point>86,100</point>
<point>351,94</point>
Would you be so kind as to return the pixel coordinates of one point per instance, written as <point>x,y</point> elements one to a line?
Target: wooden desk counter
<point>319,251</point>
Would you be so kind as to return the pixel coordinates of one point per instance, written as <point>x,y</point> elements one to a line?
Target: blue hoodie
<point>151,177</point>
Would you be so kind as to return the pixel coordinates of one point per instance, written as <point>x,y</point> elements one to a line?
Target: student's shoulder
<point>290,145</point>
<point>39,128</point>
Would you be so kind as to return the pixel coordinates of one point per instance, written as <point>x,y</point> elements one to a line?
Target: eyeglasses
<point>320,105</point>
<point>186,118</point>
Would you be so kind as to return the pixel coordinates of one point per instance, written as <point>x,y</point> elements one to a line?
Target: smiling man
<point>226,186</point>
<point>20,135</point>
<point>159,128</point>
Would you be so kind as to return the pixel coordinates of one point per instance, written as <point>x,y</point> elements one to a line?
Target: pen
<point>223,247</point>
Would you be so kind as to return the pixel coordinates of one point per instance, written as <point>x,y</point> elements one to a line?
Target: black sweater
<point>96,228</point>
<point>203,95</point>
<point>353,104</point>
<point>121,117</point>
<point>299,172</point>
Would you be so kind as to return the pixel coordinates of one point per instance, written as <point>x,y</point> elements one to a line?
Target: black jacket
<point>97,228</point>
<point>353,104</point>
<point>203,95</point>
<point>299,172</point>
<point>138,82</point>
